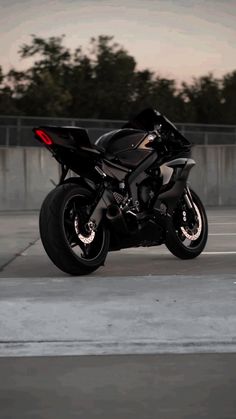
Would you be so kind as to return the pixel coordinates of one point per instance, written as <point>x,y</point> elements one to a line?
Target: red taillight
<point>44,137</point>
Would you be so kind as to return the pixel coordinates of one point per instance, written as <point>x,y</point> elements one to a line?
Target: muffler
<point>116,218</point>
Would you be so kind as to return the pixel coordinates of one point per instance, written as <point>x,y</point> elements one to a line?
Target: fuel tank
<point>128,147</point>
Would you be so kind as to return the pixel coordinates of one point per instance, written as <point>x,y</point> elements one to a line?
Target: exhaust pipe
<point>116,218</point>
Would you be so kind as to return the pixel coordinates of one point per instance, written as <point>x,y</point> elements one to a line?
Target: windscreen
<point>145,120</point>
<point>150,119</point>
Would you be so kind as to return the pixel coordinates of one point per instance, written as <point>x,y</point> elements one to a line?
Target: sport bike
<point>129,188</point>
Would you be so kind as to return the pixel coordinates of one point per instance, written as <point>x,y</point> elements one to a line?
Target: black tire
<point>59,236</point>
<point>177,242</point>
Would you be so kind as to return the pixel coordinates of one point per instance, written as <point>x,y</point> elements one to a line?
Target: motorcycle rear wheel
<point>63,217</point>
<point>186,235</point>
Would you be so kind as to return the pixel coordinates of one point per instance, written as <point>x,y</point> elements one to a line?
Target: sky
<point>178,39</point>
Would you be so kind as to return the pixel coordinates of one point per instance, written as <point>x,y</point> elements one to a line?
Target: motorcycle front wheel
<point>187,229</point>
<point>72,243</point>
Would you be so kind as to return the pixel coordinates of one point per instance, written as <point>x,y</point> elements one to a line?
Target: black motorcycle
<point>130,189</point>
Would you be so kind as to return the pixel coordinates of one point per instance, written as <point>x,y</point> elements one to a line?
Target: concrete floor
<point>124,387</point>
<point>144,301</point>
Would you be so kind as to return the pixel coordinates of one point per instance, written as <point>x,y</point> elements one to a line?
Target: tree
<point>166,97</point>
<point>79,81</point>
<point>7,102</point>
<point>104,83</point>
<point>202,99</point>
<point>53,56</point>
<point>41,90</point>
<point>229,98</point>
<point>113,76</point>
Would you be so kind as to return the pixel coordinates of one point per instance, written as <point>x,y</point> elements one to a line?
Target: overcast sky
<point>174,38</point>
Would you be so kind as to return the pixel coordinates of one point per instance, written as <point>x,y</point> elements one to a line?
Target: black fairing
<point>129,146</point>
<point>124,146</point>
<point>119,140</point>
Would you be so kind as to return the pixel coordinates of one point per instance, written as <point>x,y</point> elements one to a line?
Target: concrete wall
<point>214,177</point>
<point>26,174</point>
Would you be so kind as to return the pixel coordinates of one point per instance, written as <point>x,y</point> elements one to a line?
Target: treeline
<point>104,82</point>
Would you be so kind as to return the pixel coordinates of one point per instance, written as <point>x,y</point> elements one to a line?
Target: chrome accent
<point>122,185</point>
<point>151,137</point>
<point>132,213</point>
<point>100,171</point>
<point>188,202</point>
<point>125,204</point>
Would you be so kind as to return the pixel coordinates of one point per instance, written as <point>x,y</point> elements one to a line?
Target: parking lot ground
<point>119,387</point>
<point>145,336</point>
<point>22,255</point>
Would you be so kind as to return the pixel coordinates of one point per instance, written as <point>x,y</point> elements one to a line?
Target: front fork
<point>190,205</point>
<point>188,198</point>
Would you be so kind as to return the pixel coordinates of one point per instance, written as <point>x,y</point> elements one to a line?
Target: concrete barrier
<point>27,175</point>
<point>214,177</point>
